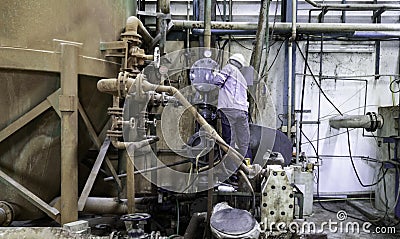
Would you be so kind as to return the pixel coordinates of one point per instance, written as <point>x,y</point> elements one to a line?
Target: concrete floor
<point>321,215</point>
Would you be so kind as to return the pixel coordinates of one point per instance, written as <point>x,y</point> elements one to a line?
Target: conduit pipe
<point>286,27</point>
<point>354,7</point>
<point>371,121</point>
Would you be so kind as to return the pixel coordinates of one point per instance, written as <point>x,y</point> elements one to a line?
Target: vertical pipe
<point>188,30</point>
<point>224,12</point>
<point>130,182</point>
<point>69,132</point>
<point>207,24</point>
<point>290,75</point>
<point>319,92</point>
<point>230,19</point>
<point>210,191</point>
<point>130,7</point>
<point>290,67</point>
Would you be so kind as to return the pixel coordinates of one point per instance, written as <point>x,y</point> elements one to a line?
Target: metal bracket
<point>68,103</point>
<point>377,14</point>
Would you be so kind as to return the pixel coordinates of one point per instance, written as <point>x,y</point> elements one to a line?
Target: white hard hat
<point>238,57</point>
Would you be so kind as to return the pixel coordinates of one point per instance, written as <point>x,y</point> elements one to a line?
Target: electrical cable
<point>276,57</point>
<point>354,166</point>
<point>318,183</point>
<point>273,25</point>
<point>391,86</point>
<point>263,73</point>
<point>240,44</point>
<point>328,137</point>
<point>316,82</point>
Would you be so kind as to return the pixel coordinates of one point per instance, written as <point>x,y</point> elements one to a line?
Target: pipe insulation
<point>371,121</point>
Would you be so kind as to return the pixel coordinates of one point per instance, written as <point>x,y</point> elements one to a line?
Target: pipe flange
<point>374,122</point>
<point>7,210</point>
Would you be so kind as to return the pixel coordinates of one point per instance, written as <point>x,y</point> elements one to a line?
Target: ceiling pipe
<point>354,7</point>
<point>286,27</point>
<point>224,32</point>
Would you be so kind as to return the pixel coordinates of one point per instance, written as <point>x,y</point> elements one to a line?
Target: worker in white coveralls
<point>233,105</point>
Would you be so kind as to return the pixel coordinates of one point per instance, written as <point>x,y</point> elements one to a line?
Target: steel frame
<point>69,63</point>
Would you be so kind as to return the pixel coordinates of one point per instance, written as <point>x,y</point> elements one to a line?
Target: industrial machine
<point>121,128</point>
<point>153,110</point>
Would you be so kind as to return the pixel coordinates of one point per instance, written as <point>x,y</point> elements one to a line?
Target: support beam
<point>53,100</point>
<point>68,103</point>
<point>28,117</point>
<point>32,198</point>
<point>98,144</point>
<point>23,120</point>
<point>93,174</point>
<point>48,61</point>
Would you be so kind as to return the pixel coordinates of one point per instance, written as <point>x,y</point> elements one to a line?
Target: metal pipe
<point>294,20</point>
<point>369,121</point>
<point>99,205</point>
<point>134,25</point>
<point>150,169</point>
<point>130,168</point>
<point>354,7</point>
<point>224,32</point>
<point>289,102</point>
<point>286,27</point>
<point>230,20</point>
<point>207,24</point>
<point>8,213</point>
<point>131,8</point>
<point>262,27</point>
<point>290,67</point>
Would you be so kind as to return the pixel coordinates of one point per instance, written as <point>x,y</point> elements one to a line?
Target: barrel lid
<point>233,221</point>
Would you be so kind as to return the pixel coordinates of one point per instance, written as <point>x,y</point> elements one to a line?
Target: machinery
<point>149,97</point>
<point>127,130</point>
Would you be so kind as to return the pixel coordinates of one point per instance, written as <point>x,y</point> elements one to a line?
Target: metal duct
<point>371,121</point>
